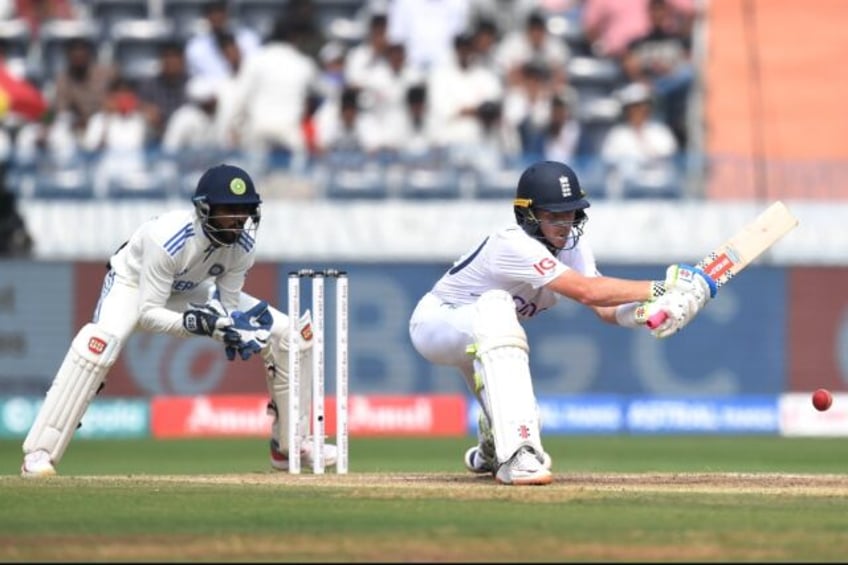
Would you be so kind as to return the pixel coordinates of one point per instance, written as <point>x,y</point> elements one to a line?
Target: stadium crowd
<point>438,87</point>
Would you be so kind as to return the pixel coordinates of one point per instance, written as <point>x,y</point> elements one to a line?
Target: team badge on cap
<point>238,187</point>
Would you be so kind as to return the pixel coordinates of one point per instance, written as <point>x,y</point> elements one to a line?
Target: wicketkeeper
<point>180,273</point>
<point>471,318</point>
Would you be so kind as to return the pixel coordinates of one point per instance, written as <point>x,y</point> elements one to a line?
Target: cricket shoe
<point>280,459</point>
<point>523,468</point>
<point>37,464</point>
<point>479,461</point>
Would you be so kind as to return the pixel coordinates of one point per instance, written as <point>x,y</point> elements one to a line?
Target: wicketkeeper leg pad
<point>276,360</point>
<point>502,364</point>
<point>83,371</point>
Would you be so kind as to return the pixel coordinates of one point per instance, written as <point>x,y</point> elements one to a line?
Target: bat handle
<point>657,319</point>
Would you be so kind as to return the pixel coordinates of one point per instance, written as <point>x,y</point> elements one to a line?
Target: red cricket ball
<point>822,399</point>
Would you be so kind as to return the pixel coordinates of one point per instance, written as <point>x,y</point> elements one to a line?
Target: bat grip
<point>657,319</point>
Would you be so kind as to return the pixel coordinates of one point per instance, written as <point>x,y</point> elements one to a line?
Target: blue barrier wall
<point>737,346</point>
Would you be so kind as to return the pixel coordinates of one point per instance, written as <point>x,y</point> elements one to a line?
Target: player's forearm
<point>608,313</point>
<point>601,291</point>
<point>157,319</point>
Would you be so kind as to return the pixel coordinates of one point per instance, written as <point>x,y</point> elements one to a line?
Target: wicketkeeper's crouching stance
<point>180,273</point>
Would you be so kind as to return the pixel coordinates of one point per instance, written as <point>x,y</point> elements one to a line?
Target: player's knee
<point>496,322</point>
<point>96,345</point>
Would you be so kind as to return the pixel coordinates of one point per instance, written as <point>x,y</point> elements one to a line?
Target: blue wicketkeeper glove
<point>210,319</point>
<point>253,327</point>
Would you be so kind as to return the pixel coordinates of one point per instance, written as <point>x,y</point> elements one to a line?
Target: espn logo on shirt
<point>96,345</point>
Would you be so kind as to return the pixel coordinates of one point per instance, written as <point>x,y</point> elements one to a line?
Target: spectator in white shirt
<point>486,40</point>
<point>527,107</point>
<point>427,28</point>
<point>417,132</point>
<point>532,44</point>
<point>331,76</point>
<point>227,128</point>
<point>342,128</point>
<point>192,126</point>
<point>117,135</point>
<point>384,94</point>
<point>272,90</point>
<point>364,56</point>
<point>456,89</point>
<point>204,55</point>
<point>639,152</point>
<point>500,145</point>
<point>562,137</point>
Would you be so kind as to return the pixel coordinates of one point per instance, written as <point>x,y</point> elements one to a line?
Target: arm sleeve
<point>155,280</point>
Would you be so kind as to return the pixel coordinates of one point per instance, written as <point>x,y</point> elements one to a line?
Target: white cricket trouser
<point>442,332</point>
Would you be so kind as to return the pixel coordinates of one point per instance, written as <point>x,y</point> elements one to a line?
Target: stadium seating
<point>594,76</point>
<point>108,13</point>
<point>69,184</point>
<point>500,183</point>
<point>426,183</point>
<point>17,37</point>
<point>135,46</point>
<point>129,34</point>
<point>186,15</point>
<point>257,14</point>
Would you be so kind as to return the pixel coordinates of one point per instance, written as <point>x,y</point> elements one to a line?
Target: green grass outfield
<point>614,499</point>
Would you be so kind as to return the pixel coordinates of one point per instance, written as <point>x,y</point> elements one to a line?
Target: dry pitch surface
<point>565,485</point>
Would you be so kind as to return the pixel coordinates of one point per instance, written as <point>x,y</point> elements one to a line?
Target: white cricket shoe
<point>37,464</point>
<point>478,461</point>
<point>280,459</point>
<point>523,468</point>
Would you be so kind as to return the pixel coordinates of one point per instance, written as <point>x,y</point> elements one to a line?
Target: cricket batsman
<point>472,317</point>
<point>180,273</point>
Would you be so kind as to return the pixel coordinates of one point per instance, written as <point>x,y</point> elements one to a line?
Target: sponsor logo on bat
<point>719,266</point>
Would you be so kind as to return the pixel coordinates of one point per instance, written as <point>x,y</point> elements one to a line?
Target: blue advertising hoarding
<point>36,323</point>
<point>736,346</point>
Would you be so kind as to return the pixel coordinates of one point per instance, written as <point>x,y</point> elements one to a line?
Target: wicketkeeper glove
<point>253,328</point>
<point>210,319</point>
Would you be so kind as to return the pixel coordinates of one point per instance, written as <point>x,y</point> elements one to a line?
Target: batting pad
<point>277,378</point>
<point>83,370</point>
<point>502,363</point>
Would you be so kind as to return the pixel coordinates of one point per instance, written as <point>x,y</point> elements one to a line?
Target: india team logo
<point>238,187</point>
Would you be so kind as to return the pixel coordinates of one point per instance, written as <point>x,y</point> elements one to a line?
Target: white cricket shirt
<point>170,255</point>
<point>511,260</point>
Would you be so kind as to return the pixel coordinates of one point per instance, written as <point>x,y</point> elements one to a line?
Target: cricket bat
<point>732,256</point>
